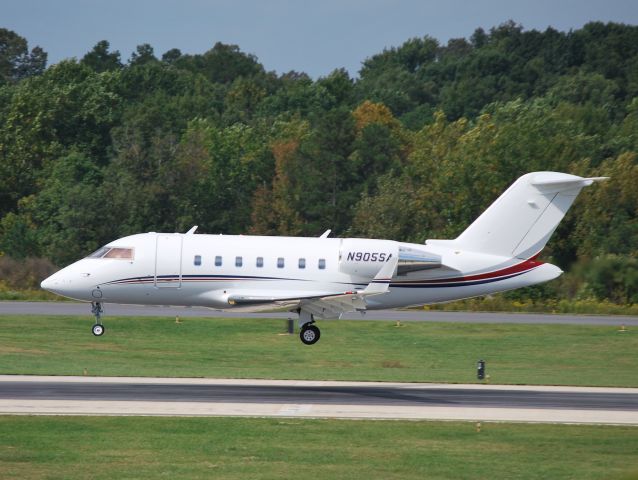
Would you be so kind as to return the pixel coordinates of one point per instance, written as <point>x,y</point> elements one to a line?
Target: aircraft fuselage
<point>206,270</point>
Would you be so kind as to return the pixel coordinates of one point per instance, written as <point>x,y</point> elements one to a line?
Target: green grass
<point>39,295</point>
<point>348,350</point>
<point>500,303</point>
<point>234,448</point>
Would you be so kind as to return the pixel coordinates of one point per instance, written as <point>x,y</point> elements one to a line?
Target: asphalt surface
<point>342,395</point>
<point>72,308</point>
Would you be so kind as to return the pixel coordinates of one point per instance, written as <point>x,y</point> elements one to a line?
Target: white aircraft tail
<point>521,221</point>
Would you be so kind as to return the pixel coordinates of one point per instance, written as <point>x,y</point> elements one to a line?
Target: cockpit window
<point>124,253</point>
<point>113,252</point>
<point>99,253</point>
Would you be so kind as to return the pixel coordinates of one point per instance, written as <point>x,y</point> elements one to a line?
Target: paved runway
<point>346,395</point>
<point>135,396</point>
<point>72,308</point>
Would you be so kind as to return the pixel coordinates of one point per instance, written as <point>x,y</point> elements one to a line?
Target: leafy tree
<point>143,54</point>
<point>242,100</point>
<point>68,107</point>
<point>16,62</point>
<point>327,196</point>
<point>608,219</point>
<point>18,235</point>
<point>222,64</point>
<point>388,213</point>
<point>69,211</point>
<point>172,55</point>
<point>274,210</point>
<point>581,88</point>
<point>101,59</point>
<point>296,95</point>
<point>380,145</point>
<point>339,87</point>
<point>613,278</point>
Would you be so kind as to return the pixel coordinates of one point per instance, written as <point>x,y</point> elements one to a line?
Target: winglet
<point>192,230</point>
<point>381,282</point>
<point>325,234</point>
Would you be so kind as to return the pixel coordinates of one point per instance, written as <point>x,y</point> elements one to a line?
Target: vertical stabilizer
<point>521,221</point>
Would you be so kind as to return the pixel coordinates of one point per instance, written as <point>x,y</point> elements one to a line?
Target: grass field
<point>229,448</point>
<point>348,350</point>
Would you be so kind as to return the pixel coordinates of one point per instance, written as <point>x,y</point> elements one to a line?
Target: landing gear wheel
<point>98,330</point>
<point>309,334</point>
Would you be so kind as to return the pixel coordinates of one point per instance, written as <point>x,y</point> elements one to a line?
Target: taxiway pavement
<point>73,308</point>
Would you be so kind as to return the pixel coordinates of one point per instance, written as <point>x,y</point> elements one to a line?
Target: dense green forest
<point>415,147</point>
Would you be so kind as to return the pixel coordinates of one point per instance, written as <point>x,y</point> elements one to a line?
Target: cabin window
<point>322,264</point>
<point>218,261</point>
<point>238,261</point>
<point>302,263</point>
<point>260,262</point>
<point>197,261</point>
<point>280,262</point>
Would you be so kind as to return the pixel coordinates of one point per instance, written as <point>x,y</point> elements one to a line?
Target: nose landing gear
<point>98,328</point>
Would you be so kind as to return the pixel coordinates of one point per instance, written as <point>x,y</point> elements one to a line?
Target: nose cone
<point>53,284</point>
<point>68,282</point>
<point>47,283</point>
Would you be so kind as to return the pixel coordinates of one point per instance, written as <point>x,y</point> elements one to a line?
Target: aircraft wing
<point>245,297</point>
<point>320,304</point>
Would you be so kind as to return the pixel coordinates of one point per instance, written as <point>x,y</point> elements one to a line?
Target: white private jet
<point>320,278</point>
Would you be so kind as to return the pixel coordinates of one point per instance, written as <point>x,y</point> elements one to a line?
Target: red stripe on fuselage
<point>518,268</point>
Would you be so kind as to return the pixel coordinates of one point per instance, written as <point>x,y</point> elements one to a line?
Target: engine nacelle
<point>416,259</point>
<point>364,258</point>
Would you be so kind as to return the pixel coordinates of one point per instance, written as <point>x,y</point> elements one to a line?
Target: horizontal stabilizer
<point>552,182</point>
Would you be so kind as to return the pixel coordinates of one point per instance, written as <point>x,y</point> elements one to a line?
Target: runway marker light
<point>86,372</point>
<point>177,320</point>
<point>623,328</point>
<point>478,427</point>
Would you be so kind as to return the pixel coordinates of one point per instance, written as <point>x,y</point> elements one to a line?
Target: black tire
<point>98,329</point>
<point>309,334</point>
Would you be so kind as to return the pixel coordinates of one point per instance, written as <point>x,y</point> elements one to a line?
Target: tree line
<point>415,147</point>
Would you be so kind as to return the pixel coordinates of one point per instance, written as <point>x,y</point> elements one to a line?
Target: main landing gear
<point>98,328</point>
<point>309,333</point>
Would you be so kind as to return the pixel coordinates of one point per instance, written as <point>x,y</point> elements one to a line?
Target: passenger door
<point>168,260</point>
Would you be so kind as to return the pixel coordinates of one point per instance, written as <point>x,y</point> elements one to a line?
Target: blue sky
<point>315,37</point>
